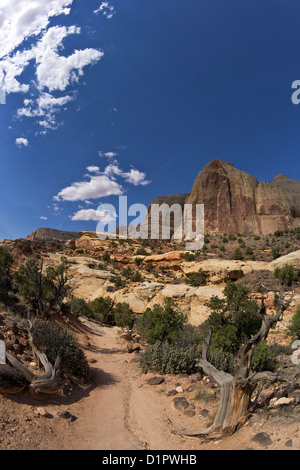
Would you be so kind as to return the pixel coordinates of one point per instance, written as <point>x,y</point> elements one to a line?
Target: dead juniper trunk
<point>236,390</point>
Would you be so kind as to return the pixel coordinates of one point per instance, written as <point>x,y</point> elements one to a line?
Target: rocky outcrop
<point>235,202</point>
<point>51,235</point>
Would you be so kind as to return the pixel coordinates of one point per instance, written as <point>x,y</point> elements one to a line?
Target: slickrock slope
<point>235,202</point>
<point>50,234</point>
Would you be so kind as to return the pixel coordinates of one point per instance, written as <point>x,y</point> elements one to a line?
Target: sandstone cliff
<point>235,202</point>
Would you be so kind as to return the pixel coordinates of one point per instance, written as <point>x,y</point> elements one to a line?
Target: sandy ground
<point>118,410</point>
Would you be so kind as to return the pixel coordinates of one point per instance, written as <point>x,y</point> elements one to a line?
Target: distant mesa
<point>235,202</point>
<point>51,235</point>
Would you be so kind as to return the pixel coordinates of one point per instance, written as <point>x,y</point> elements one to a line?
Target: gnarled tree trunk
<point>236,390</point>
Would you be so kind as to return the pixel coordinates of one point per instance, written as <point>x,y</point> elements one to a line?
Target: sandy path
<point>103,415</point>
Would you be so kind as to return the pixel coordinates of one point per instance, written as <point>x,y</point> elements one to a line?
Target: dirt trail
<point>119,410</point>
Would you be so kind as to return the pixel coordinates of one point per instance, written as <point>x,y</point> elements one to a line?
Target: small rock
<point>180,404</point>
<point>92,361</point>
<point>155,381</point>
<point>179,389</point>
<point>171,393</point>
<point>131,347</point>
<point>203,414</point>
<point>43,412</point>
<point>189,413</point>
<point>262,438</point>
<point>289,443</point>
<point>64,414</point>
<point>191,388</point>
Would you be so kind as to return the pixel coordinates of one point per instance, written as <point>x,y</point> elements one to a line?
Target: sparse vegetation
<point>54,340</point>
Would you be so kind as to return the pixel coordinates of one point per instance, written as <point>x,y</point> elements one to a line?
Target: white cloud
<point>21,19</point>
<point>94,214</point>
<point>43,217</point>
<point>98,186</point>
<point>45,107</point>
<point>101,184</point>
<point>22,142</point>
<point>106,9</point>
<point>93,169</point>
<point>24,19</point>
<point>108,155</point>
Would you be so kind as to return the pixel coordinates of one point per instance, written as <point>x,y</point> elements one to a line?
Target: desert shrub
<point>106,257</point>
<point>232,237</point>
<point>222,360</point>
<point>137,277</point>
<point>276,252</point>
<point>165,358</point>
<point>142,252</point>
<point>249,251</point>
<point>189,256</point>
<point>54,340</point>
<point>161,323</point>
<point>263,358</point>
<point>123,315</point>
<point>288,274</point>
<point>234,318</point>
<point>257,237</point>
<point>6,260</point>
<point>126,272</point>
<point>118,282</point>
<point>237,254</point>
<point>278,233</point>
<point>197,279</point>
<point>79,307</point>
<point>294,326</point>
<point>45,291</point>
<point>102,310</point>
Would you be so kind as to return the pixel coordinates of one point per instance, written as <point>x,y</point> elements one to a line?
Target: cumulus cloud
<point>22,142</point>
<point>43,217</point>
<point>21,20</point>
<point>97,186</point>
<point>94,214</point>
<point>101,184</point>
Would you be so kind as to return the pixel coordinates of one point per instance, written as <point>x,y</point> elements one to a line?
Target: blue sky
<point>134,97</point>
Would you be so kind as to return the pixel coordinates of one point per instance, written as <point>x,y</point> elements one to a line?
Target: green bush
<point>79,307</point>
<point>237,254</point>
<point>276,252</point>
<point>263,358</point>
<point>102,308</point>
<point>189,256</point>
<point>234,318</point>
<point>222,360</point>
<point>161,323</point>
<point>123,315</point>
<point>288,274</point>
<point>106,257</point>
<point>165,358</point>
<point>54,340</point>
<point>6,260</point>
<point>294,326</point>
<point>197,279</point>
<point>46,290</point>
<point>137,277</point>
